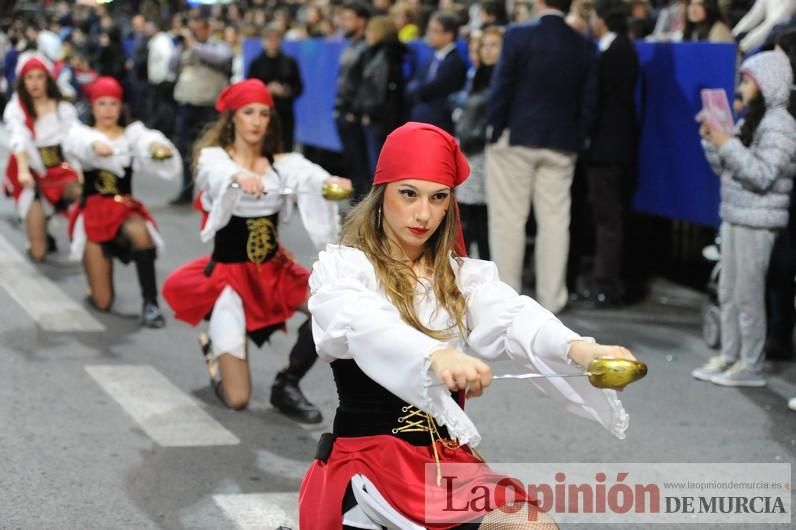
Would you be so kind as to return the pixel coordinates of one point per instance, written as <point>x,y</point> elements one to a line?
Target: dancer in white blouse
<point>250,285</point>
<point>38,177</point>
<point>396,311</point>
<point>108,222</point>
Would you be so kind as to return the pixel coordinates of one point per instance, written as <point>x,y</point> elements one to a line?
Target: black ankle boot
<point>151,317</point>
<point>287,398</point>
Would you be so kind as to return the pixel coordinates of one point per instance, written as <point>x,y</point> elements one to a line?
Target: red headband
<point>244,93</point>
<point>104,87</point>
<point>34,63</point>
<point>424,152</point>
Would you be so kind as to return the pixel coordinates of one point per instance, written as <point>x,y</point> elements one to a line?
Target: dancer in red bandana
<point>396,309</point>
<point>37,176</point>
<point>108,222</point>
<point>250,285</point>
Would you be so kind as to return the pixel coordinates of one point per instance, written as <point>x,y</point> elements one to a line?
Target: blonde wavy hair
<point>363,230</point>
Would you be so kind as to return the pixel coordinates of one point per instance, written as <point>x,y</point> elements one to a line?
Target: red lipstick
<point>418,230</point>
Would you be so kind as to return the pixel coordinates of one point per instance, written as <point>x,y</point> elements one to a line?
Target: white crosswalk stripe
<point>42,299</point>
<point>259,511</point>
<point>169,416</point>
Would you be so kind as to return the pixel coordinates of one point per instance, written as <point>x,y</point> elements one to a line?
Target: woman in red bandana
<point>38,118</point>
<point>250,286</point>
<point>108,222</point>
<point>397,310</point>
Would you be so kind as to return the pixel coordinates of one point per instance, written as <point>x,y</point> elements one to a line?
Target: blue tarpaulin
<point>675,180</point>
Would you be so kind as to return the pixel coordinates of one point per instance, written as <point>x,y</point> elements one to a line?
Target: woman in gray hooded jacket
<point>756,166</point>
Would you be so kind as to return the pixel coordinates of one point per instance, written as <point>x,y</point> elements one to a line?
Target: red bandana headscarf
<point>104,87</point>
<point>424,152</point>
<point>243,93</point>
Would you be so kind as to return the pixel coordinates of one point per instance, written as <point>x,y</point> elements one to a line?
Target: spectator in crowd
<point>753,29</point>
<point>204,67</point>
<point>349,126</point>
<point>471,133</point>
<point>162,109</point>
<point>671,21</point>
<point>704,23</point>
<point>780,285</point>
<point>137,78</point>
<point>611,155</point>
<point>233,39</point>
<point>491,13</point>
<point>48,42</point>
<point>314,22</point>
<point>642,19</point>
<point>444,74</point>
<point>108,59</point>
<point>379,99</point>
<point>540,108</point>
<point>404,17</point>
<point>382,7</point>
<point>281,74</point>
<point>757,168</point>
<point>579,16</point>
<point>523,12</point>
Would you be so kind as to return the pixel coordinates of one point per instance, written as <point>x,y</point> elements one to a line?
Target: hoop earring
<point>378,220</point>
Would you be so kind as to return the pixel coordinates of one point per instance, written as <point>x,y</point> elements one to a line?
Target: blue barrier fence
<point>675,180</point>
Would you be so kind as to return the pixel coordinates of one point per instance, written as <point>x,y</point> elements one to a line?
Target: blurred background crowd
<point>174,57</point>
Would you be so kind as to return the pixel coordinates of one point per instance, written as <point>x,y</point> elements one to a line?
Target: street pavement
<point>104,424</point>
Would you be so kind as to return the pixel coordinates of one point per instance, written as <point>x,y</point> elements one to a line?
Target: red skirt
<point>271,292</point>
<point>51,185</point>
<point>398,470</point>
<point>104,215</point>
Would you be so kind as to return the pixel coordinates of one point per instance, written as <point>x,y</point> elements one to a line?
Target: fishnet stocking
<point>528,518</point>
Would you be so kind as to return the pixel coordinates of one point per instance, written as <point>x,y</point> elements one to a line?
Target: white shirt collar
<point>606,40</point>
<point>550,11</point>
<point>443,52</point>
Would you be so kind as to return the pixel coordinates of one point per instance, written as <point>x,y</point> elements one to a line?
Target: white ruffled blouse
<point>353,319</point>
<point>291,173</point>
<point>51,129</point>
<point>132,147</point>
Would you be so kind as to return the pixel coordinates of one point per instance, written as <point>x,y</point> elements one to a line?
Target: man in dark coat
<point>612,153</point>
<point>281,73</point>
<point>443,75</point>
<point>539,111</point>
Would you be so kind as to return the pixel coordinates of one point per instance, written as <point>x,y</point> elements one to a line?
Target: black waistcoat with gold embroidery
<point>106,183</point>
<point>247,239</point>
<point>51,155</point>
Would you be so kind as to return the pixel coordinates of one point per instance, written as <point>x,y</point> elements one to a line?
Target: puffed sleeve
<point>67,113</point>
<point>351,319</point>
<point>20,137</point>
<point>504,322</point>
<point>141,139</point>
<point>77,146</point>
<point>319,216</point>
<point>214,173</point>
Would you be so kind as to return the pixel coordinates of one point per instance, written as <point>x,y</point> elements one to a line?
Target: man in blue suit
<point>443,75</point>
<point>539,112</point>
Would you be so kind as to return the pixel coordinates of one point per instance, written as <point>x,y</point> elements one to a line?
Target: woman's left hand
<point>339,181</point>
<point>717,136</point>
<point>583,353</point>
<point>160,150</point>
